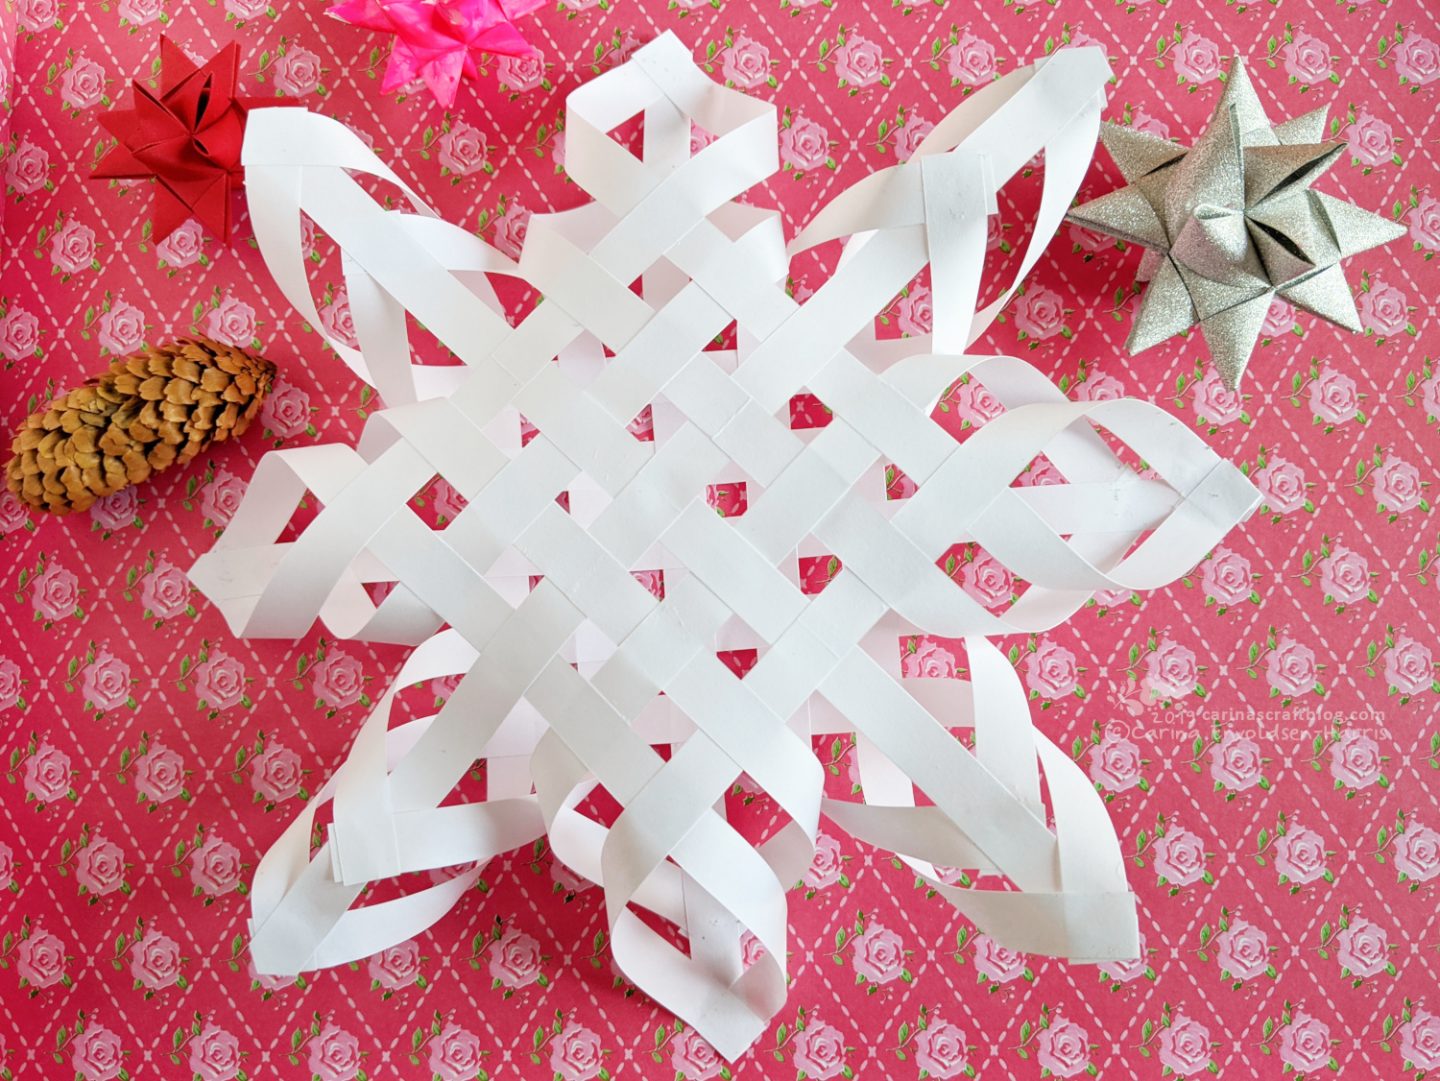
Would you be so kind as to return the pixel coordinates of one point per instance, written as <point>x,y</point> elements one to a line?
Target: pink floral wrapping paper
<point>1264,733</point>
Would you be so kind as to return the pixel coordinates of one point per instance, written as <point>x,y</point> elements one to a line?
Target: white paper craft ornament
<point>562,685</point>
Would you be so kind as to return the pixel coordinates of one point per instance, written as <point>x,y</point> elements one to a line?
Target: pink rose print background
<point>1264,733</point>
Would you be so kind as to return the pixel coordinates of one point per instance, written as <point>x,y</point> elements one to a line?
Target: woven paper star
<point>440,40</point>
<point>187,137</point>
<point>1231,223</point>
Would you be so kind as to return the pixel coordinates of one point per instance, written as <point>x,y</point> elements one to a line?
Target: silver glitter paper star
<point>1232,222</point>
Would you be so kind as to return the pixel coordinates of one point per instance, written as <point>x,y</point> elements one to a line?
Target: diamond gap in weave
<point>575,674</point>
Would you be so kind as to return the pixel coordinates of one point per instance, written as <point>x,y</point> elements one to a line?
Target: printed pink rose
<point>1371,140</point>
<point>514,959</point>
<point>1196,58</point>
<point>1355,760</point>
<point>1280,319</point>
<point>751,949</point>
<point>55,592</point>
<point>987,580</point>
<point>338,681</point>
<point>1040,313</point>
<point>819,1051</point>
<point>804,144</point>
<point>286,411</point>
<point>1179,857</point>
<point>275,773</point>
<point>1226,578</point>
<point>334,1055</point>
<point>1384,310</point>
<point>215,867</point>
<point>100,867</point>
<point>973,403</point>
<point>247,9</point>
<point>395,966</point>
<point>971,60</point>
<point>232,321</point>
<point>1091,240</point>
<point>40,959</point>
<point>1305,1044</point>
<point>1282,483</point>
<point>185,245</point>
<point>1115,763</point>
<point>7,866</point>
<point>106,683</point>
<point>1150,125</point>
<point>1420,1040</point>
<point>746,63</point>
<point>155,961</point>
<point>1235,762</point>
<point>1334,397</point>
<point>447,501</point>
<point>1185,1046</point>
<point>10,683</point>
<point>1099,387</point>
<point>97,1054</point>
<point>1425,222</point>
<point>122,328</point>
<point>1344,575</point>
<point>160,773</point>
<point>220,499</point>
<point>929,660</point>
<point>1362,948</point>
<point>1307,58</point>
<point>13,514</point>
<point>455,1055</point>
<point>915,312</point>
<point>1300,855</point>
<point>1417,853</point>
<point>1171,671</point>
<point>1290,668</point>
<point>879,954</point>
<point>297,72</point>
<point>1417,59</point>
<point>116,510</point>
<point>38,15</point>
<point>692,1056</point>
<point>1063,1048</point>
<point>1409,668</point>
<point>1042,472</point>
<point>220,681</point>
<point>462,149</point>
<point>521,73</point>
<point>576,1054</point>
<point>165,591</point>
<point>83,83</point>
<point>825,865</point>
<point>1243,950</point>
<point>1430,395</point>
<point>1215,402</point>
<point>859,61</point>
<point>19,335</point>
<point>215,1054</point>
<point>909,137</point>
<point>941,1050</point>
<point>1050,671</point>
<point>994,232</point>
<point>27,168</point>
<point>47,774</point>
<point>1397,486</point>
<point>141,12</point>
<point>510,229</point>
<point>73,247</point>
<point>998,963</point>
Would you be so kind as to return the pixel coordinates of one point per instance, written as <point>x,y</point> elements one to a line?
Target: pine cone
<point>149,411</point>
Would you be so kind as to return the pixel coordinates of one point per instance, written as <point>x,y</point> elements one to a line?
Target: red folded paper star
<point>440,40</point>
<point>188,138</point>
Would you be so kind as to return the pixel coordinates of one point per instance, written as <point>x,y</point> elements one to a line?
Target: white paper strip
<point>562,686</point>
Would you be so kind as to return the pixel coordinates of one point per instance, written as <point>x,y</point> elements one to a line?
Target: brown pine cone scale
<point>151,410</point>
